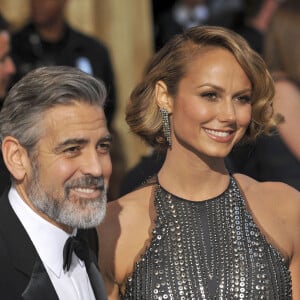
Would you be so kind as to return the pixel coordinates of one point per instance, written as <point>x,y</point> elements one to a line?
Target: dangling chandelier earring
<point>166,125</point>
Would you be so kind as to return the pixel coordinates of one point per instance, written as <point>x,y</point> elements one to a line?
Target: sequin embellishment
<point>208,250</point>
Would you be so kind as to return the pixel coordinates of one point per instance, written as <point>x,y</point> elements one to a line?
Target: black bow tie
<point>81,249</point>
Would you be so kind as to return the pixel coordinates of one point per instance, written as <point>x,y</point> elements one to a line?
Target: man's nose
<point>91,164</point>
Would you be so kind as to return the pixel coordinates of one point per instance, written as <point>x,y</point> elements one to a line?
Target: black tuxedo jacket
<point>22,274</point>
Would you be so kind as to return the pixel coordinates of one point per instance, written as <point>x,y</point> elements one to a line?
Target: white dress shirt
<point>49,242</point>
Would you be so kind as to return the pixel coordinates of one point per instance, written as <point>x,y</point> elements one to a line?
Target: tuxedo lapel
<point>23,255</point>
<point>29,273</point>
<point>97,282</point>
<point>95,277</point>
<point>22,251</point>
<point>40,285</point>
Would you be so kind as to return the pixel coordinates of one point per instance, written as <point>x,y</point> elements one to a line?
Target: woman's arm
<point>108,237</point>
<point>295,259</point>
<point>287,103</point>
<point>122,237</point>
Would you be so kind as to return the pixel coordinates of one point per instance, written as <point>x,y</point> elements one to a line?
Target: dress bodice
<point>208,249</point>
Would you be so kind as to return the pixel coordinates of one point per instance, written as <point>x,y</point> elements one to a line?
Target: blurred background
<point>132,31</point>
<point>125,27</point>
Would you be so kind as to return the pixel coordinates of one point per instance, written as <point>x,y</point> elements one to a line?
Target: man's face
<point>45,12</point>
<point>7,67</point>
<point>71,167</point>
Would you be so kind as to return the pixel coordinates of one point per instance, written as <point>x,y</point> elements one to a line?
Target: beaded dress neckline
<point>208,249</point>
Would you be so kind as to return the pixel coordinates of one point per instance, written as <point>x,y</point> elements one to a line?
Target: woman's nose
<point>227,111</point>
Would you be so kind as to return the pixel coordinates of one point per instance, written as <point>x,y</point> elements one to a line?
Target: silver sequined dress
<point>208,250</point>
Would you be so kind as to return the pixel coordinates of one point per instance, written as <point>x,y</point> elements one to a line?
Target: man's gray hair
<point>41,90</point>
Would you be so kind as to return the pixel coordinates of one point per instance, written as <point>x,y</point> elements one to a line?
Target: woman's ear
<point>162,96</point>
<point>15,157</point>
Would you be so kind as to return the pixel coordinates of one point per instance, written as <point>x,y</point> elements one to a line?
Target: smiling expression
<point>212,108</point>
<point>69,177</point>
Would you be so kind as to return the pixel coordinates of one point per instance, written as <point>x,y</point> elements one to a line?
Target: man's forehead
<point>77,118</point>
<point>74,109</point>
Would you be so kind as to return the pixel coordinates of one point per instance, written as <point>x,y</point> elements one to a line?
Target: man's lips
<point>89,192</point>
<point>85,190</point>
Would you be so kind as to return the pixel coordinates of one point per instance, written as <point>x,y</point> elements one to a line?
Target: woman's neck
<point>192,177</point>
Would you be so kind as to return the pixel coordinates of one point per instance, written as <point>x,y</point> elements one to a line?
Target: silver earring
<point>166,125</point>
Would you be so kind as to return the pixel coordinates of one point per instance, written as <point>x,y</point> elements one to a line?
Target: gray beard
<point>75,213</point>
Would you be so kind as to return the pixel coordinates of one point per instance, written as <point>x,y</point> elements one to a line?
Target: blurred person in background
<point>47,39</point>
<point>184,14</point>
<point>7,66</point>
<point>7,70</point>
<point>181,16</point>
<point>256,18</point>
<point>279,155</point>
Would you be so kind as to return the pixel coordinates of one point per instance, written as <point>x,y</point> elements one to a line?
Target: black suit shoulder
<point>75,49</point>
<point>17,254</point>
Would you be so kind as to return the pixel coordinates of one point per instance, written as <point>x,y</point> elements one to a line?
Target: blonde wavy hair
<point>169,65</point>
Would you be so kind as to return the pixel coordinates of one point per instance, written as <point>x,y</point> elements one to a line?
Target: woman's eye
<point>244,99</point>
<point>209,95</point>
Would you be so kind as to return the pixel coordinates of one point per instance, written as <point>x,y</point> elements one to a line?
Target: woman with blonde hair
<point>196,231</point>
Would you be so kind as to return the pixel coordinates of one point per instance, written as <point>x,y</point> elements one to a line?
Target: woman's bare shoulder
<point>275,207</point>
<point>123,233</point>
<point>128,206</point>
<point>272,200</point>
<point>270,190</point>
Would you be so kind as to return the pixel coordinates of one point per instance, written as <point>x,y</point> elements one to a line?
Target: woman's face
<point>212,108</point>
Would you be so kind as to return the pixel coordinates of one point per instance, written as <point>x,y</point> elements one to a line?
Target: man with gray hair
<point>55,144</point>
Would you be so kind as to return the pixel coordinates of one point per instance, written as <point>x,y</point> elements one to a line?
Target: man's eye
<point>72,149</point>
<point>104,147</point>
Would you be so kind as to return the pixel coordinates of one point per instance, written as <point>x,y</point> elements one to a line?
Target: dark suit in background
<point>74,49</point>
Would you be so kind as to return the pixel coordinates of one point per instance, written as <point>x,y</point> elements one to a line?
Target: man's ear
<point>162,96</point>
<point>15,157</point>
